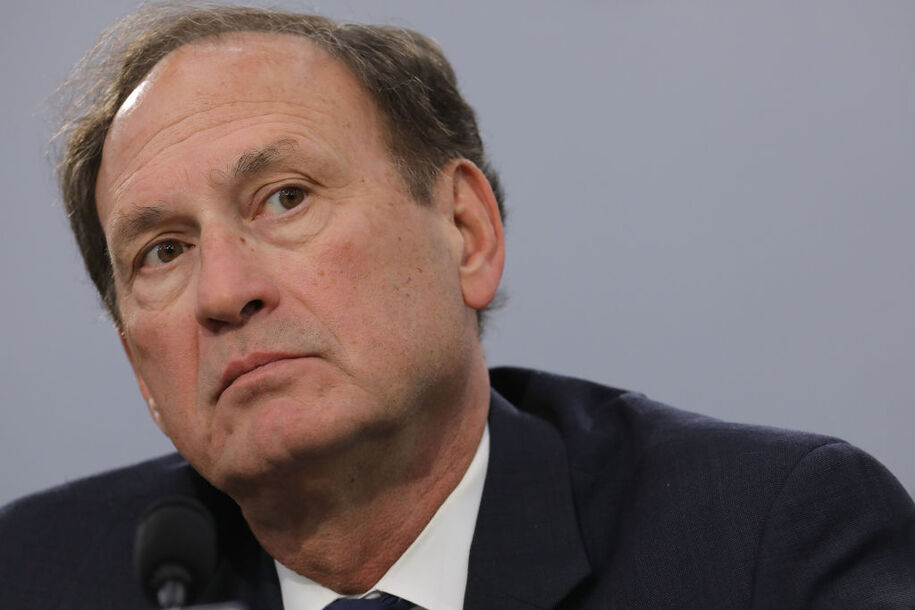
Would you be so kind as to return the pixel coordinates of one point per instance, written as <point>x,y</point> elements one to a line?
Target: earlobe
<point>476,215</point>
<point>144,389</point>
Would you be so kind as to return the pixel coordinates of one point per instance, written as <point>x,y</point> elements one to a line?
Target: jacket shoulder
<point>94,496</point>
<point>62,542</point>
<point>593,416</point>
<point>721,512</point>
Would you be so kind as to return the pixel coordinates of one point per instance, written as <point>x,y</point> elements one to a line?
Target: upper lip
<point>238,367</point>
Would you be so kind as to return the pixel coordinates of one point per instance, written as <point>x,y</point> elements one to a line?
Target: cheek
<point>362,276</point>
<point>165,356</point>
<point>168,365</point>
<point>386,288</point>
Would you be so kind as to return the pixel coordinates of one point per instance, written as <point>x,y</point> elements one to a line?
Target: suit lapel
<point>527,550</point>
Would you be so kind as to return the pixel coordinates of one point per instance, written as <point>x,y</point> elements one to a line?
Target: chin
<point>264,458</point>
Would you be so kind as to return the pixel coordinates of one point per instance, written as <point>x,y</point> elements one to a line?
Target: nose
<point>233,284</point>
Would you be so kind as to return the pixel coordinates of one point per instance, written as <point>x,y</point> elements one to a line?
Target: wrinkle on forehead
<point>132,156</point>
<point>245,78</point>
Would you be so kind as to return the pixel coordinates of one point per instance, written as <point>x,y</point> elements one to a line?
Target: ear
<point>476,215</point>
<point>144,389</point>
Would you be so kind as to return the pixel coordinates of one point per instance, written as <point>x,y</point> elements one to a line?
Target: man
<point>294,228</point>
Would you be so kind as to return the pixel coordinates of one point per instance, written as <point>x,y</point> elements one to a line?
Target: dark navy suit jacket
<point>594,498</point>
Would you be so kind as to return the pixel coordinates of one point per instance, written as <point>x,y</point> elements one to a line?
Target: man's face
<point>281,293</point>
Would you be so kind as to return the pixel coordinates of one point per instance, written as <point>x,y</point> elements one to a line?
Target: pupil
<point>168,251</point>
<point>290,197</point>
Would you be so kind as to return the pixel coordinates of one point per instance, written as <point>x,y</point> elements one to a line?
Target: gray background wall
<point>711,202</point>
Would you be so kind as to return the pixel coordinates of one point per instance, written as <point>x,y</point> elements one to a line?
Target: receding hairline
<point>153,80</point>
<point>315,53</point>
<point>222,40</point>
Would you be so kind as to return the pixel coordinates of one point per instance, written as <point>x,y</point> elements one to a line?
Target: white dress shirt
<point>432,572</point>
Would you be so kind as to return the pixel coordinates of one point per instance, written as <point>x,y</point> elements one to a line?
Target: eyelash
<point>141,259</point>
<point>304,192</point>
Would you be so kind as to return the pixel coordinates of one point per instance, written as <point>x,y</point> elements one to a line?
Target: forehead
<point>230,81</point>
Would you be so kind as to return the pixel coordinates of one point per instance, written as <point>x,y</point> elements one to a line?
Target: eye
<point>285,199</point>
<point>162,253</point>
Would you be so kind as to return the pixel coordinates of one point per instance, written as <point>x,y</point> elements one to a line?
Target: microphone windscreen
<point>175,541</point>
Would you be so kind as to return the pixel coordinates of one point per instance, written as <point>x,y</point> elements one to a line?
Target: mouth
<point>251,362</point>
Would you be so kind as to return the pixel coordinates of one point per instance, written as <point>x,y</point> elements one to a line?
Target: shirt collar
<point>432,572</point>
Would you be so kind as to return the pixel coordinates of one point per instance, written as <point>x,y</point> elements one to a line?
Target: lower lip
<point>270,371</point>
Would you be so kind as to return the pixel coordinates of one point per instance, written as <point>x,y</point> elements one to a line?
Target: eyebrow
<point>252,162</point>
<point>126,227</point>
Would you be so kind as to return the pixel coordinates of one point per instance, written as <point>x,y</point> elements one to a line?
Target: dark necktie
<point>382,602</point>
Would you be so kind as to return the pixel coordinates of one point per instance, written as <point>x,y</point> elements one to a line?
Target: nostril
<point>251,308</point>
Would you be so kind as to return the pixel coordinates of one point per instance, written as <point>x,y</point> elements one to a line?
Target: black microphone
<point>174,551</point>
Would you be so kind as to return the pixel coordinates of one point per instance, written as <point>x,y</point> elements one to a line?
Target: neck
<point>343,520</point>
